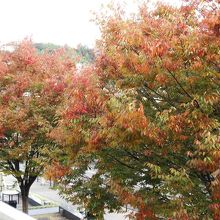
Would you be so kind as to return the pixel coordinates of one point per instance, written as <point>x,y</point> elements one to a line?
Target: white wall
<point>9,213</point>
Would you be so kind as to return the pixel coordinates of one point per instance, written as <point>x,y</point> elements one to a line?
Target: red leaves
<point>2,132</point>
<point>32,87</point>
<point>145,213</point>
<point>215,207</point>
<point>29,61</point>
<point>84,95</point>
<point>76,110</point>
<point>56,85</point>
<point>25,53</point>
<point>171,65</point>
<point>3,69</point>
<point>56,171</point>
<point>201,52</point>
<point>211,24</point>
<point>177,123</point>
<point>135,200</point>
<point>160,48</point>
<point>162,79</point>
<point>168,61</point>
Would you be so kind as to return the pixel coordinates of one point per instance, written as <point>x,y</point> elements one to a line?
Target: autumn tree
<point>31,88</point>
<point>154,140</point>
<point>79,126</point>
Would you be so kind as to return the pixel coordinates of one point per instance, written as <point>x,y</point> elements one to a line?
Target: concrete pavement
<point>43,189</point>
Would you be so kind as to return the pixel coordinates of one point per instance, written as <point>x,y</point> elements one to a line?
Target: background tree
<point>55,171</point>
<point>46,47</point>
<point>81,53</point>
<point>154,143</point>
<point>31,88</point>
<point>85,53</point>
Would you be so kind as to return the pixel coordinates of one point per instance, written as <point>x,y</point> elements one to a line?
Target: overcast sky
<point>56,21</point>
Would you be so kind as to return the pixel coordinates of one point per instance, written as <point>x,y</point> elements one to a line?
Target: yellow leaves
<point>207,160</point>
<point>19,152</point>
<point>192,80</point>
<point>213,98</point>
<point>207,153</point>
<point>177,173</point>
<point>155,170</point>
<point>216,154</point>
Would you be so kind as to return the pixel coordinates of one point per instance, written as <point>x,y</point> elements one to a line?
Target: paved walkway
<point>44,190</point>
<point>53,195</point>
<point>50,217</point>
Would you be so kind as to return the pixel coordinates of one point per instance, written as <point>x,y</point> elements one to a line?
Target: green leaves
<point>147,115</point>
<point>28,110</point>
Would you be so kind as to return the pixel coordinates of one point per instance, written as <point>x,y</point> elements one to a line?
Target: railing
<point>9,213</point>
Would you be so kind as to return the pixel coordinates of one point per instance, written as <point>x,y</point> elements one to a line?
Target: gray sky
<point>56,21</point>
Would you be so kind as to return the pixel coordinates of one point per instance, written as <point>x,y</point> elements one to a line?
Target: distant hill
<point>82,52</point>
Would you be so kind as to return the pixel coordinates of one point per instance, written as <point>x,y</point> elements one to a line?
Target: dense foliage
<point>32,86</point>
<point>146,117</point>
<point>140,127</point>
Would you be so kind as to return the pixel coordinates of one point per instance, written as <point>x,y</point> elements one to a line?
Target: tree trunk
<point>24,198</point>
<point>54,183</point>
<point>25,186</point>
